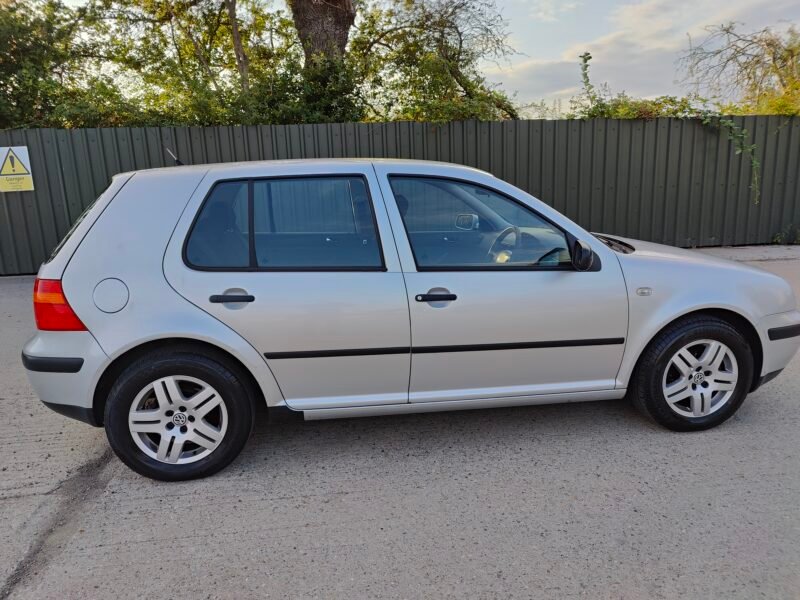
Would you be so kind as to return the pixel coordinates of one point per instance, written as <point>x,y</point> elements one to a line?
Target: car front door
<point>303,266</point>
<point>497,310</point>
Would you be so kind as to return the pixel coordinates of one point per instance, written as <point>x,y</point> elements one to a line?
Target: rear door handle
<point>225,298</point>
<point>435,297</point>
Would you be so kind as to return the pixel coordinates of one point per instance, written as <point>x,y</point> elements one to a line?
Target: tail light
<point>51,309</point>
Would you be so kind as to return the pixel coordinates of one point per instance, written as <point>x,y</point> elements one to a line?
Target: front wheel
<point>176,415</point>
<point>694,375</point>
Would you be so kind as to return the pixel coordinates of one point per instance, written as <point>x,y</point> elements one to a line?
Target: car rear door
<point>299,259</point>
<point>491,317</point>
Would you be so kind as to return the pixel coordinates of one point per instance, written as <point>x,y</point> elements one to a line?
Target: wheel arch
<point>735,319</point>
<point>115,368</point>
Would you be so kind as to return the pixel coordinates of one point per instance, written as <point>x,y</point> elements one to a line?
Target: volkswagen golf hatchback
<point>186,296</point>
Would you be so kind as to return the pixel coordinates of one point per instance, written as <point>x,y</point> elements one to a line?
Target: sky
<point>635,44</point>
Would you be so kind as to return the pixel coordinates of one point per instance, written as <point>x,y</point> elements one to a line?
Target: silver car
<point>186,296</point>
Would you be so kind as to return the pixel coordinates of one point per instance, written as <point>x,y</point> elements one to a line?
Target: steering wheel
<point>546,255</point>
<point>494,249</point>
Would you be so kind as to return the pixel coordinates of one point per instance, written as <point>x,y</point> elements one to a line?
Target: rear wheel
<point>176,415</point>
<point>694,375</point>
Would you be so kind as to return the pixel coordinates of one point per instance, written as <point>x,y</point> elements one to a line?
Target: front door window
<point>457,225</point>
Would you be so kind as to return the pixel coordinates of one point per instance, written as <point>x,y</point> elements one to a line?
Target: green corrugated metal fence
<point>668,180</point>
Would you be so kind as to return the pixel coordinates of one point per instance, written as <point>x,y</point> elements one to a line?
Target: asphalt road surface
<point>581,500</point>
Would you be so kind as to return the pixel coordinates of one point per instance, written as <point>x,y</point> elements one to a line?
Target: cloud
<point>640,55</point>
<point>551,10</point>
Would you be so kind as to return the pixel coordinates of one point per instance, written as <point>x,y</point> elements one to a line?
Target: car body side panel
<point>681,282</point>
<point>296,312</point>
<point>55,268</point>
<point>511,307</point>
<point>588,311</point>
<point>129,246</point>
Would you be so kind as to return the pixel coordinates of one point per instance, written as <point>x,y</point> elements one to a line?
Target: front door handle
<point>435,297</point>
<point>225,298</point>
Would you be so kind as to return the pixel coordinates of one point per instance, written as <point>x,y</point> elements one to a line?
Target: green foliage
<point>738,136</point>
<point>183,62</point>
<point>42,69</point>
<point>178,59</point>
<point>789,235</point>
<point>784,102</point>
<point>420,60</point>
<point>599,103</point>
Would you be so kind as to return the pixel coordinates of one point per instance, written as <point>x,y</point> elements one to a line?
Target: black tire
<point>226,378</point>
<point>646,391</point>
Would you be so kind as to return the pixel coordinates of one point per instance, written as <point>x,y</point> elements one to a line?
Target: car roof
<point>221,168</point>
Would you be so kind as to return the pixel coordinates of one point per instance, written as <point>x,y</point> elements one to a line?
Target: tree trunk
<point>242,62</point>
<point>323,26</point>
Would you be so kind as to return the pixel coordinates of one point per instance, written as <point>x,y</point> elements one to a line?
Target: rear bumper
<point>63,368</point>
<point>51,364</point>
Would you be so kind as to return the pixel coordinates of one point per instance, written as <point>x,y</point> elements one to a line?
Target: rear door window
<point>311,223</point>
<point>290,224</point>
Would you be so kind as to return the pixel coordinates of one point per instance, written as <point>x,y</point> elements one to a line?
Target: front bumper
<point>780,339</point>
<point>63,368</point>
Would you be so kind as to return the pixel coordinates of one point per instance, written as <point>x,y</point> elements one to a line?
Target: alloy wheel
<point>178,419</point>
<point>700,378</point>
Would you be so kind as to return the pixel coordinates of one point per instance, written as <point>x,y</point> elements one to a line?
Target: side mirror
<point>468,222</point>
<point>582,256</point>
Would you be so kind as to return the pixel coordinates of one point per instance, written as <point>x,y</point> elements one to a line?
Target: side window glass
<point>315,223</point>
<point>219,238</point>
<point>454,224</point>
<point>426,206</point>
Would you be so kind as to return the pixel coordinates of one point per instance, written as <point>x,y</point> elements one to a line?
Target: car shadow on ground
<point>288,440</point>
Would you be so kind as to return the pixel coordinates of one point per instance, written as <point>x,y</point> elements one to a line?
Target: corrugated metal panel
<point>667,180</point>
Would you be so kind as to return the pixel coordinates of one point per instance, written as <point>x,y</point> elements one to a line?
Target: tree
<point>208,62</point>
<point>242,60</point>
<point>421,60</point>
<point>205,62</point>
<point>223,62</point>
<point>418,59</point>
<point>323,26</point>
<point>47,73</point>
<point>748,72</point>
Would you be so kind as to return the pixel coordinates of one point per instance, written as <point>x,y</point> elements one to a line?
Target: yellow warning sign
<point>15,169</point>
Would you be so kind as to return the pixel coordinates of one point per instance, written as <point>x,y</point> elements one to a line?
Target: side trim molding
<point>444,349</point>
<point>519,346</point>
<point>332,353</point>
<point>782,333</point>
<point>51,364</point>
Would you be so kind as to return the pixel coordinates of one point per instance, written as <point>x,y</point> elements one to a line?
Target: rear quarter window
<point>72,230</point>
<point>220,236</point>
<point>72,238</point>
